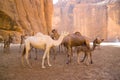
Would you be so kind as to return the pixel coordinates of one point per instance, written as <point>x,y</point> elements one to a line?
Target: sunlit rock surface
<point>93,18</point>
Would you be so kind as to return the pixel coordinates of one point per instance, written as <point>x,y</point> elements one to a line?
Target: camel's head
<point>97,42</point>
<point>54,31</point>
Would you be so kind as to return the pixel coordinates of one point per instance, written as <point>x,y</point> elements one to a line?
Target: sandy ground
<point>106,66</point>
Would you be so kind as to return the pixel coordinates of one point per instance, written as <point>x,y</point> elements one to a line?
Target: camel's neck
<point>59,41</point>
<point>93,47</point>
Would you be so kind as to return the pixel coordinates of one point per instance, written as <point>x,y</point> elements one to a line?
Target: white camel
<point>41,41</point>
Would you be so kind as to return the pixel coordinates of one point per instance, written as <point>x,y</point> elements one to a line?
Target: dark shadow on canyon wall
<point>30,15</point>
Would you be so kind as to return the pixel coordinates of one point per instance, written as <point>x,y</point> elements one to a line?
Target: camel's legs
<point>69,51</point>
<point>35,54</point>
<point>44,56</point>
<point>26,57</point>
<point>86,59</point>
<point>78,57</point>
<point>54,53</point>
<point>22,57</point>
<point>27,54</point>
<point>48,58</point>
<point>85,54</point>
<point>22,60</point>
<point>91,61</point>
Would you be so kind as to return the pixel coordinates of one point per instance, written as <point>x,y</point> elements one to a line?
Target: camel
<point>87,51</point>
<point>73,40</point>
<point>23,37</point>
<point>7,41</point>
<point>97,42</point>
<point>41,41</point>
<point>55,35</point>
<point>81,43</point>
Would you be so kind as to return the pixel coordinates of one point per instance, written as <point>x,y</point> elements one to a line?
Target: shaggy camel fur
<point>55,35</point>
<point>41,41</point>
<point>74,40</point>
<point>81,43</point>
<point>87,51</point>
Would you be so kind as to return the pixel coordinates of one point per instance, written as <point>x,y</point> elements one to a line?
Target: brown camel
<point>87,51</point>
<point>81,43</point>
<point>73,40</point>
<point>55,35</point>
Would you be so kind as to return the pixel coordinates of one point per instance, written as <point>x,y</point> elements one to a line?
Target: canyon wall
<point>93,18</point>
<point>113,21</point>
<point>28,15</point>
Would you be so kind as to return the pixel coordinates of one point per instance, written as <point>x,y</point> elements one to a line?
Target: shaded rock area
<point>26,16</point>
<point>93,18</point>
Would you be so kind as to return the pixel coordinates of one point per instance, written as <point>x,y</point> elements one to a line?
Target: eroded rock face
<point>30,15</point>
<point>113,21</point>
<point>92,18</point>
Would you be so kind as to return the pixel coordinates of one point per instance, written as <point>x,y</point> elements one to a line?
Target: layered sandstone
<point>30,15</point>
<point>93,18</point>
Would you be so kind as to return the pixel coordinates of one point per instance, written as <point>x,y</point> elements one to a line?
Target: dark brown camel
<point>55,36</point>
<point>81,43</point>
<point>74,40</point>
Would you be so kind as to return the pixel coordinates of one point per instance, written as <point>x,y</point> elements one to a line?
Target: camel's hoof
<point>43,67</point>
<point>30,67</point>
<point>78,63</point>
<point>49,65</point>
<point>87,64</point>
<point>23,66</point>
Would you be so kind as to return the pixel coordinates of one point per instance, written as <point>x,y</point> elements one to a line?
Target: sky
<point>55,1</point>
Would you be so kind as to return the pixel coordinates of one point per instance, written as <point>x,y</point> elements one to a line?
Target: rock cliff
<point>91,17</point>
<point>26,15</point>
